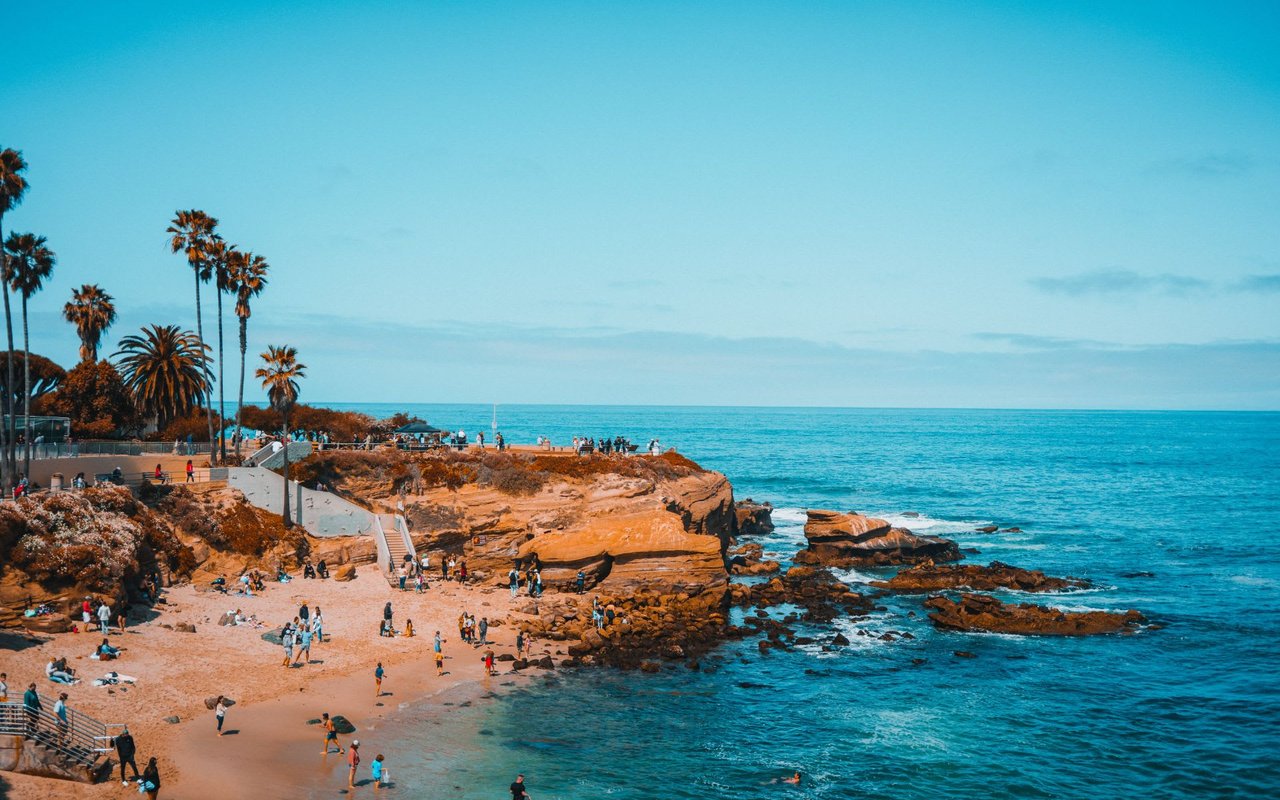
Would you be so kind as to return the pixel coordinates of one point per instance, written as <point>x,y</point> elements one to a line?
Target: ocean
<point>1171,513</point>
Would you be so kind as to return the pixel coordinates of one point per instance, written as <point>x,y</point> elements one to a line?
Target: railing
<point>95,447</point>
<point>271,458</point>
<point>80,739</point>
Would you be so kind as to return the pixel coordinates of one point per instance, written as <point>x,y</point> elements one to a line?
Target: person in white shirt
<point>104,618</point>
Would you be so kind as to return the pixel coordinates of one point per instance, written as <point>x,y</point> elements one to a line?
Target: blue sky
<point>936,204</point>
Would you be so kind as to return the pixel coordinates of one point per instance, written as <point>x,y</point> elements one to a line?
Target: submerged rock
<point>838,539</point>
<point>928,577</point>
<point>977,612</point>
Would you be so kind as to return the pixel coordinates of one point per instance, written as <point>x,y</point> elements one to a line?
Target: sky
<point>986,204</point>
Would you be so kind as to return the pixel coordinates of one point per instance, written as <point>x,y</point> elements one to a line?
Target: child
<point>377,677</point>
<point>330,735</point>
<point>379,773</point>
<point>439,663</point>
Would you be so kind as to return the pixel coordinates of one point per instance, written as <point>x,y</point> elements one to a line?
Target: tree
<point>220,254</point>
<point>246,278</point>
<point>46,377</point>
<point>92,311</point>
<point>280,373</point>
<point>13,185</point>
<point>193,232</point>
<point>167,371</point>
<point>96,399</point>
<point>29,262</point>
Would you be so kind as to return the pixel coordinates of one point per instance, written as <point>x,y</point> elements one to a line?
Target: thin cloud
<point>1029,341</point>
<point>1121,282</point>
<point>1258,284</point>
<point>1209,165</point>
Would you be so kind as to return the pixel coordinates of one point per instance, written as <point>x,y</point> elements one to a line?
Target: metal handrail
<point>111,447</point>
<point>78,739</point>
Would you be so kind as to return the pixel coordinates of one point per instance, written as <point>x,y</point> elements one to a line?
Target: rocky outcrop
<point>976,612</point>
<point>627,553</point>
<point>930,577</point>
<point>749,560</point>
<point>754,519</point>
<point>848,540</point>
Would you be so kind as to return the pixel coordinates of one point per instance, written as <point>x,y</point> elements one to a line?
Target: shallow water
<point>1188,711</point>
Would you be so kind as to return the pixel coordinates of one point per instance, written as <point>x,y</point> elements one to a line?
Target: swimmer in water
<point>794,779</point>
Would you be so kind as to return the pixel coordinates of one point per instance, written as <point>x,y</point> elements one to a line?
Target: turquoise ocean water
<point>1189,711</point>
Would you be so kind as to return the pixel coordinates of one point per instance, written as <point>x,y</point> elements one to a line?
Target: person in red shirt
<point>353,759</point>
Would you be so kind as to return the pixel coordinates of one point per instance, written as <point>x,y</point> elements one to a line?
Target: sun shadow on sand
<point>19,641</point>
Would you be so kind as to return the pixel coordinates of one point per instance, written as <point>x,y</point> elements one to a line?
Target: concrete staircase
<point>270,458</point>
<point>42,745</point>
<point>394,543</point>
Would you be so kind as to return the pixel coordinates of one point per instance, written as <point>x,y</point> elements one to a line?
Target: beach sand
<point>266,732</point>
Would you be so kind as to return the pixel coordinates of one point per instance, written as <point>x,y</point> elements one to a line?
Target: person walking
<point>353,762</point>
<point>31,704</point>
<point>439,663</point>
<point>518,789</point>
<point>64,725</point>
<point>220,712</point>
<point>304,646</point>
<point>286,639</point>
<point>317,625</point>
<point>125,752</point>
<point>151,780</point>
<point>191,472</point>
<point>104,617</point>
<point>330,734</point>
<point>378,675</point>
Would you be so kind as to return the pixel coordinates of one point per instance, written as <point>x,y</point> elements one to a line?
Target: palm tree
<point>193,232</point>
<point>92,312</point>
<point>30,262</point>
<point>279,373</point>
<point>13,185</point>
<point>246,278</point>
<point>220,253</point>
<point>166,369</point>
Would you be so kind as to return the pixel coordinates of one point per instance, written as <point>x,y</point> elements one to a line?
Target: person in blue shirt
<point>379,772</point>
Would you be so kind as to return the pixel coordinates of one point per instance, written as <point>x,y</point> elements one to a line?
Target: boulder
<point>185,627</point>
<point>754,519</point>
<point>345,572</point>
<point>977,612</point>
<point>846,540</point>
<point>342,725</point>
<point>930,577</point>
<point>47,623</point>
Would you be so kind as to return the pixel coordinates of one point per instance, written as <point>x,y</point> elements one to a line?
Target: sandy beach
<point>266,734</point>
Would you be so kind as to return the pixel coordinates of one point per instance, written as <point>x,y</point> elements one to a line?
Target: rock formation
<point>976,612</point>
<point>849,540</point>
<point>930,577</point>
<point>754,519</point>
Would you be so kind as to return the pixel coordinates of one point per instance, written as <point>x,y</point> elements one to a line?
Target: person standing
<point>520,644</point>
<point>86,613</point>
<point>378,674</point>
<point>151,780</point>
<point>317,625</point>
<point>376,769</point>
<point>439,663</point>
<point>330,734</point>
<point>220,712</point>
<point>125,752</point>
<point>4,687</point>
<point>402,574</point>
<point>31,704</point>
<point>304,645</point>
<point>304,613</point>
<point>353,762</point>
<point>191,472</point>
<point>286,639</point>
<point>582,581</point>
<point>484,630</point>
<point>518,789</point>
<point>514,577</point>
<point>104,617</point>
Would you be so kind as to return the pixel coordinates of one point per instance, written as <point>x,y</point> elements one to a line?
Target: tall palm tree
<point>30,262</point>
<point>13,185</point>
<point>280,373</point>
<point>166,369</point>
<point>246,278</point>
<point>193,232</point>
<point>220,254</point>
<point>92,312</point>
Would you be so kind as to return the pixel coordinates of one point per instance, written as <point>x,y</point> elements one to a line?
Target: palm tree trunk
<point>11,423</point>
<point>26,390</point>
<point>288,521</point>
<point>244,348</point>
<point>222,411</point>
<point>208,396</point>
<point>6,477</point>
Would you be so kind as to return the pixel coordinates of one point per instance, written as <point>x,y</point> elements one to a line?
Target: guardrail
<point>80,739</point>
<point>47,450</point>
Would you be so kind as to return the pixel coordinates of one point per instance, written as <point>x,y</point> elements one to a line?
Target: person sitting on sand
<point>53,673</point>
<point>408,628</point>
<point>322,569</point>
<point>106,652</point>
<point>220,583</point>
<point>308,570</point>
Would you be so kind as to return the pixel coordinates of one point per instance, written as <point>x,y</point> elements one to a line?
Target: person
<point>125,752</point>
<point>520,644</point>
<point>794,779</point>
<point>191,471</point>
<point>378,675</point>
<point>220,711</point>
<point>151,779</point>
<point>514,577</point>
<point>104,617</point>
<point>537,583</point>
<point>79,481</point>
<point>220,583</point>
<point>353,761</point>
<point>597,616</point>
<point>286,639</point>
<point>64,725</point>
<point>444,569</point>
<point>582,581</point>
<point>386,615</point>
<point>439,663</point>
<point>408,628</point>
<point>31,704</point>
<point>106,652</point>
<point>4,687</point>
<point>159,474</point>
<point>484,630</point>
<point>377,771</point>
<point>317,625</point>
<point>304,613</point>
<point>53,673</point>
<point>453,567</point>
<point>304,646</point>
<point>330,734</point>
<point>403,575</point>
<point>519,790</point>
<point>462,571</point>
<point>308,569</point>
<point>488,662</point>
<point>419,581</point>
<point>322,569</point>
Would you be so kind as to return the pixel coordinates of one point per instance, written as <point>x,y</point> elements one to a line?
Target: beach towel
<point>113,679</point>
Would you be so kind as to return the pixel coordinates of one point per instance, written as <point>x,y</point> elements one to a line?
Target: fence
<point>104,447</point>
<point>81,738</point>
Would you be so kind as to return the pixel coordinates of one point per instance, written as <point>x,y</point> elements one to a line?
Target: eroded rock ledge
<point>930,577</point>
<point>854,540</point>
<point>977,612</point>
